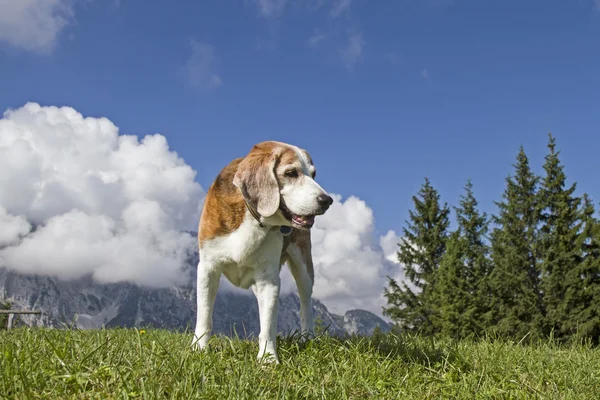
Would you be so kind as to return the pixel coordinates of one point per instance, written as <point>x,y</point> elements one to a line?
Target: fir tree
<point>517,308</point>
<point>474,227</point>
<point>461,294</point>
<point>452,309</point>
<point>420,253</point>
<point>558,252</point>
<point>582,286</point>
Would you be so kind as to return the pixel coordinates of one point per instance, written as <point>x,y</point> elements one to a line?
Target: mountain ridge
<point>85,304</point>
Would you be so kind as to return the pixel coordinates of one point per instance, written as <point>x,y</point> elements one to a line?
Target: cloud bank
<point>351,262</point>
<point>78,198</point>
<point>34,25</point>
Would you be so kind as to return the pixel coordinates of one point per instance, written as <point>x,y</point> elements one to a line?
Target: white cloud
<point>13,228</point>
<point>389,245</point>
<point>201,66</point>
<point>34,25</point>
<point>352,52</point>
<point>270,8</point>
<point>351,263</point>
<point>316,37</point>
<point>339,6</point>
<point>425,73</point>
<point>80,199</point>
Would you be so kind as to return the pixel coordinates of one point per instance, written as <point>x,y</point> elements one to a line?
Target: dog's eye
<point>292,173</point>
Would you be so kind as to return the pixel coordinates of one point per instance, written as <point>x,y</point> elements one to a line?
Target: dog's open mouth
<point>304,221</point>
<point>298,221</point>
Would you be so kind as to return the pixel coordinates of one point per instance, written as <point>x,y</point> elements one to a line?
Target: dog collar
<point>253,212</point>
<point>285,230</point>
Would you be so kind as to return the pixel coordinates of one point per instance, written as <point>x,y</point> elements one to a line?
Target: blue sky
<point>381,95</point>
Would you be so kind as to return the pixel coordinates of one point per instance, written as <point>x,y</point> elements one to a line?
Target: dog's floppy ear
<point>256,179</point>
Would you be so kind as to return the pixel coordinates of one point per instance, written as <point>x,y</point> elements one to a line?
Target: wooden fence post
<point>11,315</point>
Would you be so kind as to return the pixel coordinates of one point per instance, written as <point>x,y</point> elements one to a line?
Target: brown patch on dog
<point>224,208</point>
<point>308,157</point>
<point>256,177</point>
<point>300,238</point>
<point>288,157</point>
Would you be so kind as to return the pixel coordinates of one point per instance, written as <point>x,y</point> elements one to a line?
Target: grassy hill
<point>129,363</point>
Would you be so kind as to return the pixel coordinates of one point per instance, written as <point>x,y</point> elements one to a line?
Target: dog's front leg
<point>304,283</point>
<point>207,284</point>
<point>266,289</point>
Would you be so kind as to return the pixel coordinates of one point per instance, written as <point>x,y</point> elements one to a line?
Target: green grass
<point>124,363</point>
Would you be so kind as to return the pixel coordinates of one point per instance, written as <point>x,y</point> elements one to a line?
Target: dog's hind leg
<point>207,284</point>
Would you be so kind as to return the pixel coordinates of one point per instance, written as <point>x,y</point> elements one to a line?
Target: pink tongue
<point>304,220</point>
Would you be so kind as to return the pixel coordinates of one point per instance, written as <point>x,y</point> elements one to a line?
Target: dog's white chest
<point>239,254</point>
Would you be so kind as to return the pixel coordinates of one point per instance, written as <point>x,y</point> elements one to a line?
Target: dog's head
<point>278,180</point>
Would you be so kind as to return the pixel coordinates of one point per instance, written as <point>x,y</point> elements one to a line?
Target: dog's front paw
<point>267,353</point>
<point>268,358</point>
<point>200,343</point>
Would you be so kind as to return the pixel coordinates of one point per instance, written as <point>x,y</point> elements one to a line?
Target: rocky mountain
<point>86,304</point>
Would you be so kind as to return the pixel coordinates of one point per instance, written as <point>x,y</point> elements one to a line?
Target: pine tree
<point>475,227</point>
<point>582,292</point>
<point>517,308</point>
<point>558,252</point>
<point>420,253</point>
<point>461,293</point>
<point>452,309</point>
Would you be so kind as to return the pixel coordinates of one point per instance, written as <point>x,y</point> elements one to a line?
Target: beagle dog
<point>256,216</point>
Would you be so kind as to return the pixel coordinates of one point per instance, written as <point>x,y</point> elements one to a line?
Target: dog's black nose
<point>324,200</point>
